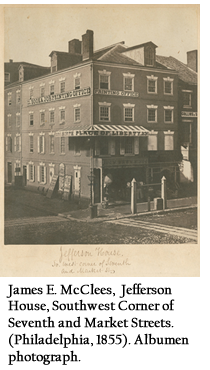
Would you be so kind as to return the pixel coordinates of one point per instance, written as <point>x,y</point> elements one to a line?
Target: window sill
<point>168,94</point>
<point>52,153</point>
<point>151,121</point>
<point>150,92</point>
<point>187,106</point>
<point>62,153</point>
<point>75,122</point>
<point>168,123</point>
<point>77,154</point>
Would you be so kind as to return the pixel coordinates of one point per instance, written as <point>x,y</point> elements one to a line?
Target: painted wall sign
<point>117,93</point>
<point>55,97</point>
<point>52,186</point>
<point>99,133</point>
<point>189,114</point>
<point>123,162</point>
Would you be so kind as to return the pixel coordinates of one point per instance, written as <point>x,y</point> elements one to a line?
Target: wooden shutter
<point>111,146</point>
<point>38,173</point>
<point>38,144</point>
<point>122,146</point>
<point>15,141</point>
<point>45,174</point>
<point>97,147</point>
<point>27,173</point>
<point>136,145</point>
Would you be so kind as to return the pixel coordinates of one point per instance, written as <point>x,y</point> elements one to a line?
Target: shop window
<point>168,140</point>
<point>168,86</point>
<point>152,84</point>
<point>31,172</point>
<point>152,141</point>
<point>104,147</point>
<point>62,145</point>
<point>151,114</point>
<point>104,80</point>
<point>77,147</point>
<point>128,145</point>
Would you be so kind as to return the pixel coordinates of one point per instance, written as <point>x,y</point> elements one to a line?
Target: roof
<point>103,130</point>
<point>185,73</point>
<point>115,55</point>
<point>141,45</point>
<point>25,64</point>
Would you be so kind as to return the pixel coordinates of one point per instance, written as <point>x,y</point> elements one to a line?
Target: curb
<point>107,219</point>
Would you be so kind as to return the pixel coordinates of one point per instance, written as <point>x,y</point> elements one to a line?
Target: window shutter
<point>45,174</point>
<point>33,173</point>
<point>111,146</point>
<point>136,145</point>
<point>19,143</point>
<point>38,144</point>
<point>15,140</point>
<point>122,146</point>
<point>38,173</point>
<point>43,138</point>
<point>27,174</point>
<point>7,143</point>
<point>97,147</point>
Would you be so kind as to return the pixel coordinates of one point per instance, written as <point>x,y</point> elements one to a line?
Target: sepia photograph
<point>101,125</point>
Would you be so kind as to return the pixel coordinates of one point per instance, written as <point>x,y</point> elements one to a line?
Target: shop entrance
<point>9,172</point>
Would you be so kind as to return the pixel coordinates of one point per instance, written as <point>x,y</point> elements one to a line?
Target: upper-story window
<point>31,92</point>
<point>9,120</point>
<point>128,81</point>
<point>104,79</point>
<point>42,90</point>
<point>31,118</point>
<point>104,111</point>
<point>18,97</point>
<point>41,143</point>
<point>51,143</point>
<point>42,117</point>
<point>187,95</point>
<point>17,143</point>
<point>152,113</point>
<point>168,85</point>
<point>77,113</point>
<point>52,115</point>
<point>129,112</point>
<point>152,140</point>
<point>149,56</point>
<point>62,115</point>
<point>9,98</point>
<point>17,119</point>
<point>7,77</point>
<point>77,82</point>
<point>168,114</point>
<point>9,143</point>
<point>52,87</point>
<point>31,143</point>
<point>62,85</point>
<point>152,84</point>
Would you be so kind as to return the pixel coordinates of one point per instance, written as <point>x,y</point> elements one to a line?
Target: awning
<point>103,130</point>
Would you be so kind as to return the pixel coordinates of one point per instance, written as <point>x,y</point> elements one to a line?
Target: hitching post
<point>163,192</point>
<point>133,196</point>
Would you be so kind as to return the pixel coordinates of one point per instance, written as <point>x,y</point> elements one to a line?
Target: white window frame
<point>62,145</point>
<point>77,86</point>
<point>61,110</point>
<point>41,143</point>
<point>155,107</point>
<point>171,80</point>
<point>31,171</point>
<point>51,135</point>
<point>131,76</point>
<point>17,143</point>
<point>9,120</point>
<point>51,84</point>
<point>107,74</point>
<point>129,106</point>
<point>51,110</point>
<point>62,87</point>
<point>17,119</point>
<point>189,92</point>
<point>44,167</point>
<point>152,78</point>
<point>42,113</point>
<point>152,146</point>
<point>77,107</point>
<point>29,117</point>
<point>169,108</point>
<point>9,97</point>
<point>18,97</point>
<point>104,105</point>
<point>171,134</point>
<point>31,141</point>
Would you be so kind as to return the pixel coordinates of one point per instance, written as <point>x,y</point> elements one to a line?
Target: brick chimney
<point>87,45</point>
<point>75,46</point>
<point>192,60</point>
<point>11,60</point>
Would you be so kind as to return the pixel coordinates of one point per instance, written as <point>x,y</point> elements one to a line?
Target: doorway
<point>9,172</point>
<point>24,175</point>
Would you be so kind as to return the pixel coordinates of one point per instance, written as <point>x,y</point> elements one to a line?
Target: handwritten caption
<point>81,261</point>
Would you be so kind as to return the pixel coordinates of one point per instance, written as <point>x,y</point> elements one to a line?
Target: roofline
<point>110,46</point>
<point>136,67</point>
<point>137,46</point>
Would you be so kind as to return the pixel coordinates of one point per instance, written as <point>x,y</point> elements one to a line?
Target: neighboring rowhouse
<point>187,111</point>
<point>109,115</point>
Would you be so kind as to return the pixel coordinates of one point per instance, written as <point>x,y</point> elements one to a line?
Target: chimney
<point>11,60</point>
<point>75,46</point>
<point>87,45</point>
<point>192,60</point>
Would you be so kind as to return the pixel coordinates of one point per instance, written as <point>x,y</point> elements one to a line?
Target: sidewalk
<point>114,212</point>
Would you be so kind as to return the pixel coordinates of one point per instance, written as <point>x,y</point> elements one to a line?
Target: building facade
<point>110,114</point>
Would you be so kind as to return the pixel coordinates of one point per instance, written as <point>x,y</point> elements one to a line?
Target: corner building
<point>110,113</point>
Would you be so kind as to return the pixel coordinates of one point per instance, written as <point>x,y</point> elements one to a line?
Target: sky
<point>32,32</point>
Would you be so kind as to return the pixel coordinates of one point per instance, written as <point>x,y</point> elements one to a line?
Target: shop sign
<point>124,162</point>
<point>117,93</point>
<point>188,114</point>
<point>55,97</point>
<point>99,133</point>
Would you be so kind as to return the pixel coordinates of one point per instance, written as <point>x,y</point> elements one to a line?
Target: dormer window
<point>53,62</point>
<point>149,56</point>
<point>7,77</point>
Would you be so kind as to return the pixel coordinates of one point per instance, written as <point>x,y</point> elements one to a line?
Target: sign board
<point>113,132</point>
<point>52,186</point>
<point>132,94</point>
<point>67,187</point>
<point>67,95</point>
<point>124,162</point>
<point>189,114</point>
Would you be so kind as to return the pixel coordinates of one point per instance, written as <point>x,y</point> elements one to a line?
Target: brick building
<point>111,113</point>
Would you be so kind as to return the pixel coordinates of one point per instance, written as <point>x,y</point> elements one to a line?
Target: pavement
<point>116,211</point>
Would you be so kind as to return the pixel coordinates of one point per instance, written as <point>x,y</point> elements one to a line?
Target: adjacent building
<point>95,115</point>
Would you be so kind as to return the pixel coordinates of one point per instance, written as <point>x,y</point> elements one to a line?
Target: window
<point>62,115</point>
<point>152,84</point>
<point>77,115</point>
<point>9,98</point>
<point>52,116</point>
<point>18,97</point>
<point>128,145</point>
<point>52,88</point>
<point>128,80</point>
<point>9,120</point>
<point>151,113</point>
<point>168,86</point>
<point>104,147</point>
<point>17,119</point>
<point>52,144</point>
<point>31,172</point>
<point>104,79</point>
<point>41,143</point>
<point>168,140</point>
<point>31,144</point>
<point>31,119</point>
<point>168,114</point>
<point>63,146</point>
<point>104,111</point>
<point>17,143</point>
<point>42,172</point>
<point>129,114</point>
<point>42,91</point>
<point>7,77</point>
<point>77,83</point>
<point>9,144</point>
<point>54,68</point>
<point>31,92</point>
<point>77,147</point>
<point>186,98</point>
<point>42,117</point>
<point>62,87</point>
<point>149,56</point>
<point>152,141</point>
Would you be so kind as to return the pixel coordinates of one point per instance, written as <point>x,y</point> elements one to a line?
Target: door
<point>24,175</point>
<point>97,185</point>
<point>9,172</point>
<point>77,181</point>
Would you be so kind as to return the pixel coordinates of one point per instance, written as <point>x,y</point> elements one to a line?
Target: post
<point>133,196</point>
<point>163,192</point>
<point>148,203</point>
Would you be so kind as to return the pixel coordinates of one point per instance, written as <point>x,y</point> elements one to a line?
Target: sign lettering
<point>55,97</point>
<point>117,93</point>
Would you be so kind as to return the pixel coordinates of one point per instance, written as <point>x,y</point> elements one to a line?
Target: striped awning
<point>104,130</point>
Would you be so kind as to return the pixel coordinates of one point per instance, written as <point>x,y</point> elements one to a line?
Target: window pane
<point>129,145</point>
<point>31,144</point>
<point>168,115</point>
<point>152,86</point>
<point>42,92</point>
<point>62,144</point>
<point>62,87</point>
<point>128,114</point>
<point>104,82</point>
<point>77,83</point>
<point>168,87</point>
<point>51,89</point>
<point>151,115</point>
<point>52,116</point>
<point>62,114</point>
<point>77,114</point>
<point>128,84</point>
<point>104,113</point>
<point>42,116</point>
<point>51,143</point>
<point>31,119</point>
